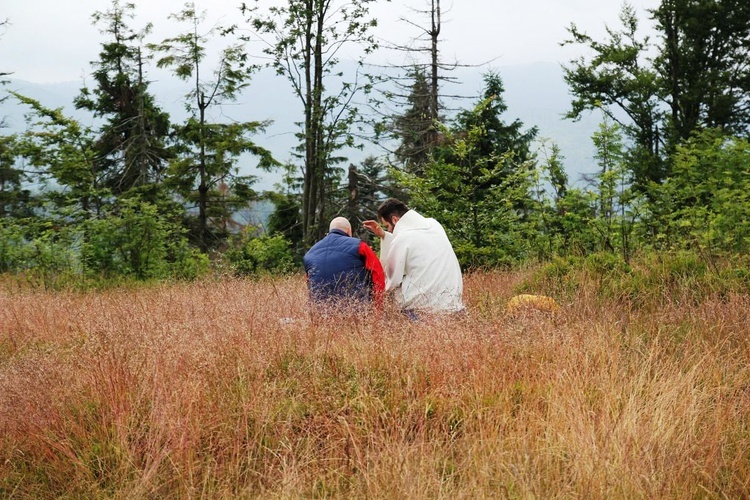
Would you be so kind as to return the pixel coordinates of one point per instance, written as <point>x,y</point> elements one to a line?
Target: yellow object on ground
<point>525,302</point>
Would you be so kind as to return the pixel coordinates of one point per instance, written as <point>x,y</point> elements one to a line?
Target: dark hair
<point>392,207</point>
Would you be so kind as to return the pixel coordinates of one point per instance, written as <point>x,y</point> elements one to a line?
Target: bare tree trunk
<point>142,145</point>
<point>353,188</point>
<point>203,186</point>
<point>434,35</point>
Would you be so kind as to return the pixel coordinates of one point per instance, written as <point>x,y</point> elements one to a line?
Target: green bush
<point>39,252</point>
<point>135,240</point>
<point>557,278</point>
<point>186,262</point>
<point>653,278</point>
<point>705,204</point>
<point>605,263</point>
<point>251,255</point>
<point>656,278</point>
<point>472,258</point>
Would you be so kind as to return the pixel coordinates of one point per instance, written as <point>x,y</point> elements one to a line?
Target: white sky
<point>54,40</point>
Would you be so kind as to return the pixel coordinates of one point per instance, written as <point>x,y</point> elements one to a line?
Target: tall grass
<point>232,388</point>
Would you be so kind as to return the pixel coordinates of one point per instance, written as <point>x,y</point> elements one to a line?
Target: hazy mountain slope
<point>535,94</point>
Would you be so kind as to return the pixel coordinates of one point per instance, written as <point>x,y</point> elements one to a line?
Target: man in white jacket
<point>420,266</point>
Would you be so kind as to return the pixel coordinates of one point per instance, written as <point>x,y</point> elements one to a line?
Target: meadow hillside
<point>232,388</point>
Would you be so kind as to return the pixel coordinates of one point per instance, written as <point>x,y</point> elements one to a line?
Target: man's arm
<point>385,239</point>
<point>374,228</point>
<point>372,264</point>
<point>394,261</point>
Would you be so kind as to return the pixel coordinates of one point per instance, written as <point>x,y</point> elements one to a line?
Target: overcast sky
<point>54,40</point>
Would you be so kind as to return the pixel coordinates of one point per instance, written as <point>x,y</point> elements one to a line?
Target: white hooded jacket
<point>421,267</point>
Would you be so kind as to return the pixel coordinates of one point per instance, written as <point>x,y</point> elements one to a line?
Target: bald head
<point>342,224</point>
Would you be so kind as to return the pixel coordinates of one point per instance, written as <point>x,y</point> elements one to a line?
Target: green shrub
<point>38,252</point>
<point>251,255</point>
<point>186,262</point>
<point>651,278</point>
<point>131,240</point>
<point>605,263</point>
<point>557,278</point>
<point>472,258</point>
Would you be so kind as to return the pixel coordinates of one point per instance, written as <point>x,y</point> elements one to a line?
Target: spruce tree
<point>478,183</point>
<point>131,149</point>
<point>15,197</point>
<point>415,128</point>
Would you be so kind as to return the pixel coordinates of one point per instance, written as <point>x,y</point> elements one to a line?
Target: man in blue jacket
<point>341,268</point>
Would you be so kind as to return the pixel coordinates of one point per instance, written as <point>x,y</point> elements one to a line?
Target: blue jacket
<point>336,269</point>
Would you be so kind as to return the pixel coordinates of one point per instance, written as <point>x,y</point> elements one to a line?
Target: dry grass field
<point>232,388</point>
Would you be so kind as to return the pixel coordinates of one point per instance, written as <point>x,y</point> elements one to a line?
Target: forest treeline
<point>143,195</point>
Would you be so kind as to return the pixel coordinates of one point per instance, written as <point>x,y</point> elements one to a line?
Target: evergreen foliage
<point>478,183</point>
<point>131,149</point>
<point>134,240</point>
<point>257,255</point>
<point>698,78</point>
<point>705,206</point>
<point>415,128</point>
<point>285,220</point>
<point>63,152</point>
<point>619,80</point>
<point>702,65</point>
<point>15,197</point>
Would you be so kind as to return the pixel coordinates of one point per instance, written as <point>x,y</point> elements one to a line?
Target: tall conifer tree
<point>131,150</point>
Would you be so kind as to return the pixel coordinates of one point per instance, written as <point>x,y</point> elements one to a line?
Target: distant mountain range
<point>535,93</point>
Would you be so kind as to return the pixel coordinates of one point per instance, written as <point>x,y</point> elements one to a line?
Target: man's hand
<point>374,228</point>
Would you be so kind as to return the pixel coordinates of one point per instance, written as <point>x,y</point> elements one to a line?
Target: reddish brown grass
<point>232,388</point>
